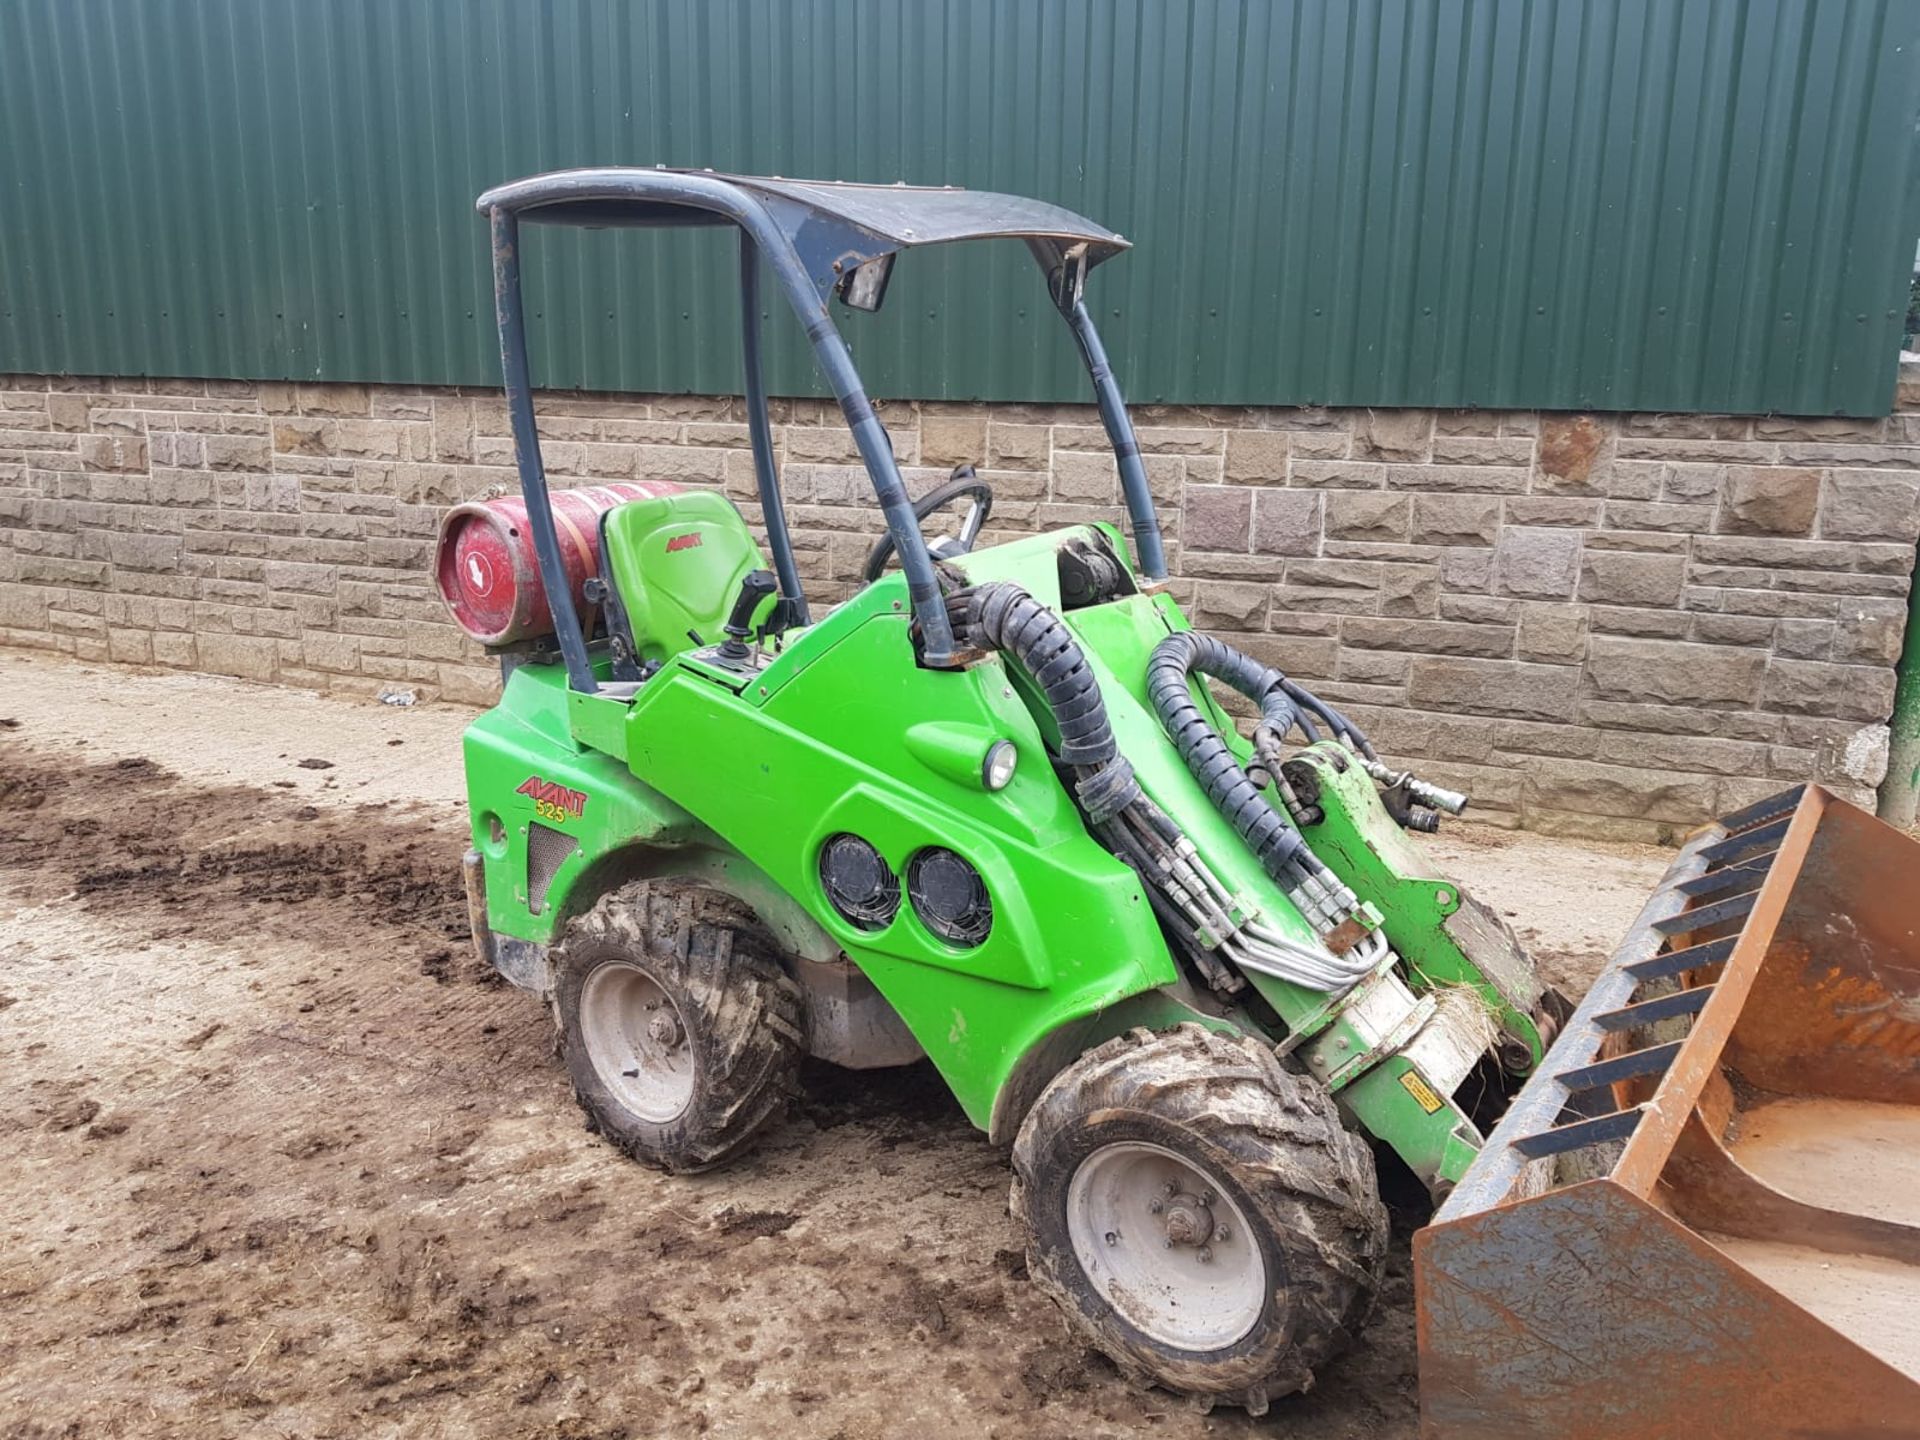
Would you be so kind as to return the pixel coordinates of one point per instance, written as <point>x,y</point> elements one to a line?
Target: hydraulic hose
<point>1002,616</point>
<point>1276,844</point>
<point>1321,896</point>
<point>1311,704</point>
<point>1182,889</point>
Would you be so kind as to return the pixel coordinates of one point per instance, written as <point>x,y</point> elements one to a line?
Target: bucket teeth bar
<point>1761,840</point>
<point>1578,1134</point>
<point>1762,811</point>
<point>1649,1012</point>
<point>1717,882</point>
<point>1541,1106</point>
<point>1653,1060</point>
<point>1671,964</point>
<point>1705,916</point>
<point>1650,1236</point>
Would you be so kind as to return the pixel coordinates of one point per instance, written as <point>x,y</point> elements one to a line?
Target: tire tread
<point>1282,1135</point>
<point>726,976</point>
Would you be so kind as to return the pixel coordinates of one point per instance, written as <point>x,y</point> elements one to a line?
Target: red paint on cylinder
<point>489,574</point>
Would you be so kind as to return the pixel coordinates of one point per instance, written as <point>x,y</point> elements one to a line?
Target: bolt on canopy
<point>820,238</point>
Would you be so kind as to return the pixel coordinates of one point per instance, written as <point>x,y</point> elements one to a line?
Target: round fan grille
<point>859,884</point>
<point>949,896</point>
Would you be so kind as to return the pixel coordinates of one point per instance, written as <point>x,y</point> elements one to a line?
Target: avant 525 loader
<point>989,811</point>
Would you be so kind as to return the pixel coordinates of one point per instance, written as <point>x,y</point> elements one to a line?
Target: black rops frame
<point>814,235</point>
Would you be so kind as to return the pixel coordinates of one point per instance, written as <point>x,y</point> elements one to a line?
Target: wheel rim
<point>1165,1246</point>
<point>637,1041</point>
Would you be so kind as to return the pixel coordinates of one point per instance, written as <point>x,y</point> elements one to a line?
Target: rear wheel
<point>1200,1214</point>
<point>681,1033</point>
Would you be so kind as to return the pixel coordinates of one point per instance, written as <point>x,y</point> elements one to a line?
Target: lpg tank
<point>489,574</point>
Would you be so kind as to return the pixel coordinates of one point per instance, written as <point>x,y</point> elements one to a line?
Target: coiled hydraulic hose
<point>1181,887</point>
<point>1275,844</point>
<point>1004,617</point>
<point>1319,893</point>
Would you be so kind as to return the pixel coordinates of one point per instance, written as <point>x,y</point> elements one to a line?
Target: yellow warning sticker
<point>1420,1090</point>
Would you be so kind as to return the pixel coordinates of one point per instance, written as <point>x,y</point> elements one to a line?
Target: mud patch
<point>283,1167</point>
<point>72,1114</point>
<point>221,861</point>
<point>754,1222</point>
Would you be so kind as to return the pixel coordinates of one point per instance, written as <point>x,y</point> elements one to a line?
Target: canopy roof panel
<point>898,216</point>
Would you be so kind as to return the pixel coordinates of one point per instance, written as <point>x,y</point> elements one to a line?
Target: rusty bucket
<point>1701,1217</point>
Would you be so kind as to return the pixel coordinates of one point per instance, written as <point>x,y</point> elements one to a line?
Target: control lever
<point>758,585</point>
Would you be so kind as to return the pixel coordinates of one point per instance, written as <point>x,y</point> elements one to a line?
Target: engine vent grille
<point>547,851</point>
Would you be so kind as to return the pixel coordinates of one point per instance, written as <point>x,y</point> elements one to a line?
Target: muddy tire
<point>681,1033</point>
<point>1200,1214</point>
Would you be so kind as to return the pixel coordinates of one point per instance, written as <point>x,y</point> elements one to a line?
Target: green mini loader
<point>988,810</point>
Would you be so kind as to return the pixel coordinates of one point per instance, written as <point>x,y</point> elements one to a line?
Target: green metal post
<point>1900,791</point>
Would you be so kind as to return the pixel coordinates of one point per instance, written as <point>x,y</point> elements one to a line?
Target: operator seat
<point>676,564</point>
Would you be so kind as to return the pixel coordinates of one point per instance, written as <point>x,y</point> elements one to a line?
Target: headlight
<point>997,770</point>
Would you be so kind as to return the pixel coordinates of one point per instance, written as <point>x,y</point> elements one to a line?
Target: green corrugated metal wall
<point>1670,205</point>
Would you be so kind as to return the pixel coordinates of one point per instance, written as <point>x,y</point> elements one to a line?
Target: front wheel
<point>1200,1214</point>
<point>681,1033</point>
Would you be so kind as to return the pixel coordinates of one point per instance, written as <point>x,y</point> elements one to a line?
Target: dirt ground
<point>281,1163</point>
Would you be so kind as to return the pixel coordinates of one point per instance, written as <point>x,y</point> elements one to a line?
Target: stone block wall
<point>1597,624</point>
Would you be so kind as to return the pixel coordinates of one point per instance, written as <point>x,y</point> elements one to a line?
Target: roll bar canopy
<point>888,217</point>
<point>812,234</point>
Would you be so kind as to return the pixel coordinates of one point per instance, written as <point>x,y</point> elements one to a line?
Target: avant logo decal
<point>553,800</point>
<point>684,542</point>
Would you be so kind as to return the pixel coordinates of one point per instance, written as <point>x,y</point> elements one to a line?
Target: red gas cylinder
<point>489,574</point>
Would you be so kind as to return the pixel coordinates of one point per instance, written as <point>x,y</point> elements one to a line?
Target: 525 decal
<point>553,802</point>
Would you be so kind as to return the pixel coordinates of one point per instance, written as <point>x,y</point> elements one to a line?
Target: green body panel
<point>599,723</point>
<point>740,776</point>
<point>529,737</point>
<point>622,828</point>
<point>1118,639</point>
<point>1363,845</point>
<point>779,773</point>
